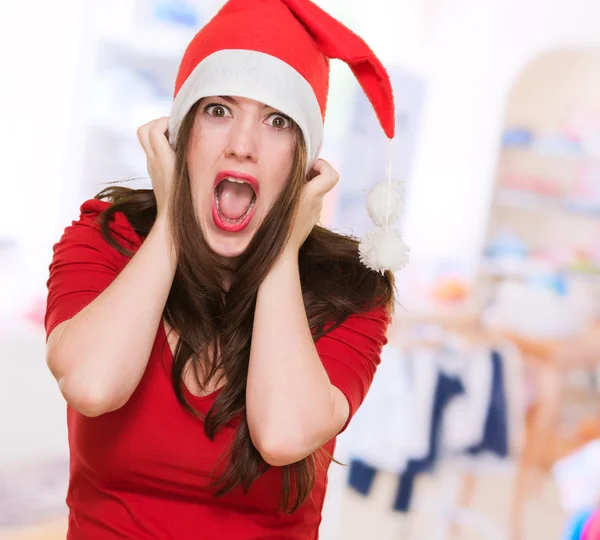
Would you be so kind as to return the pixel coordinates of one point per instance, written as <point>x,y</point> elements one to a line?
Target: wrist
<point>161,226</point>
<point>289,255</point>
<point>285,264</point>
<point>161,231</point>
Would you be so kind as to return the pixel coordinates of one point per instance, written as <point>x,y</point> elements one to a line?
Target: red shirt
<point>142,472</point>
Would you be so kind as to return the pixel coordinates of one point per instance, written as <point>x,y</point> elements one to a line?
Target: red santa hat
<point>277,52</point>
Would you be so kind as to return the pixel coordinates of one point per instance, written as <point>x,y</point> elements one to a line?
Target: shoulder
<point>372,317</point>
<point>374,321</point>
<point>88,226</point>
<point>368,327</point>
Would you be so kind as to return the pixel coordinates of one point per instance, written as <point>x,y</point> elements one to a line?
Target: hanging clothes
<point>465,392</point>
<point>464,418</point>
<point>393,423</point>
<point>446,389</point>
<point>495,434</point>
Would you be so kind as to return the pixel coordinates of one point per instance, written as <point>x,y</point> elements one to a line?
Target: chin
<point>228,245</point>
<point>228,248</point>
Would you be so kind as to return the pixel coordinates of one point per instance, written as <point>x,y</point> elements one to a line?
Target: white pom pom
<point>383,199</point>
<point>383,250</point>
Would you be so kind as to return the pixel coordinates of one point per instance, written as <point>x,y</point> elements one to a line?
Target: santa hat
<point>277,52</point>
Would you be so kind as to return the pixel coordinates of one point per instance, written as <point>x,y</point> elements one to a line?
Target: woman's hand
<point>311,203</point>
<point>160,160</point>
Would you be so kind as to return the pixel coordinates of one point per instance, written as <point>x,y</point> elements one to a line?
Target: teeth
<point>235,180</point>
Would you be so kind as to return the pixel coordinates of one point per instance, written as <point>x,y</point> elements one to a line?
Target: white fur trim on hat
<point>253,75</point>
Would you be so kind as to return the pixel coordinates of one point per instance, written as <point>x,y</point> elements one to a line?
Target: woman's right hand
<point>160,160</point>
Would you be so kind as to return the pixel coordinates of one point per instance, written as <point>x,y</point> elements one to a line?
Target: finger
<point>158,133</point>
<point>325,181</point>
<point>160,142</point>
<point>318,188</point>
<point>323,168</point>
<point>143,134</point>
<point>312,173</point>
<point>316,169</point>
<point>320,164</point>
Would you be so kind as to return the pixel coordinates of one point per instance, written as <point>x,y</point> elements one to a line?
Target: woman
<point>209,338</point>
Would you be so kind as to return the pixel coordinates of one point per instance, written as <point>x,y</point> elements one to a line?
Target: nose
<point>242,141</point>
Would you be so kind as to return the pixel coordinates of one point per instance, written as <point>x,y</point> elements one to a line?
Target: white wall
<point>40,51</point>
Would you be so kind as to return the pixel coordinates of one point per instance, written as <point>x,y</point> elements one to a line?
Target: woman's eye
<point>218,111</point>
<point>279,122</point>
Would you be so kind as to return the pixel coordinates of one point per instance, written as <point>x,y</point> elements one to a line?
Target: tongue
<point>234,199</point>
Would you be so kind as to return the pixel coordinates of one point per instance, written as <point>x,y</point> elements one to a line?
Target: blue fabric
<point>361,476</point>
<point>495,431</point>
<point>446,389</point>
<point>575,526</point>
<point>495,436</point>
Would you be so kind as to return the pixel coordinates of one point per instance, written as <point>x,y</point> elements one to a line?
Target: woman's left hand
<point>311,202</point>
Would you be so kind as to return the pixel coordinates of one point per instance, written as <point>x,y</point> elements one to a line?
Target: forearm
<point>99,356</point>
<point>289,399</point>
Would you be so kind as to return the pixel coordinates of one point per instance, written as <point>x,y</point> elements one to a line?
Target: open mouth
<point>234,201</point>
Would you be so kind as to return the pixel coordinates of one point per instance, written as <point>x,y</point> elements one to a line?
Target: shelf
<point>556,144</point>
<point>515,268</point>
<point>531,201</point>
<point>548,153</point>
<point>527,199</point>
<point>583,209</point>
<point>525,268</point>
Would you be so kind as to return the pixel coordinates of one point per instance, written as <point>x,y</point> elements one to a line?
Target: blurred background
<point>482,421</point>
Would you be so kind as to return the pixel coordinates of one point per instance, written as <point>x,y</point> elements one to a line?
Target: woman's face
<point>239,158</point>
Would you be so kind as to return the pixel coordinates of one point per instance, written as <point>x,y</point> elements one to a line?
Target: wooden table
<point>56,530</point>
<point>549,362</point>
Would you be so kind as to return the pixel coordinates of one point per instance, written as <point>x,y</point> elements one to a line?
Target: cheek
<point>193,175</point>
<point>285,160</point>
<point>197,170</point>
<point>200,194</point>
<point>278,179</point>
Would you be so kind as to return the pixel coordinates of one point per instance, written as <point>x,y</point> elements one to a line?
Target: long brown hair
<point>205,314</point>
